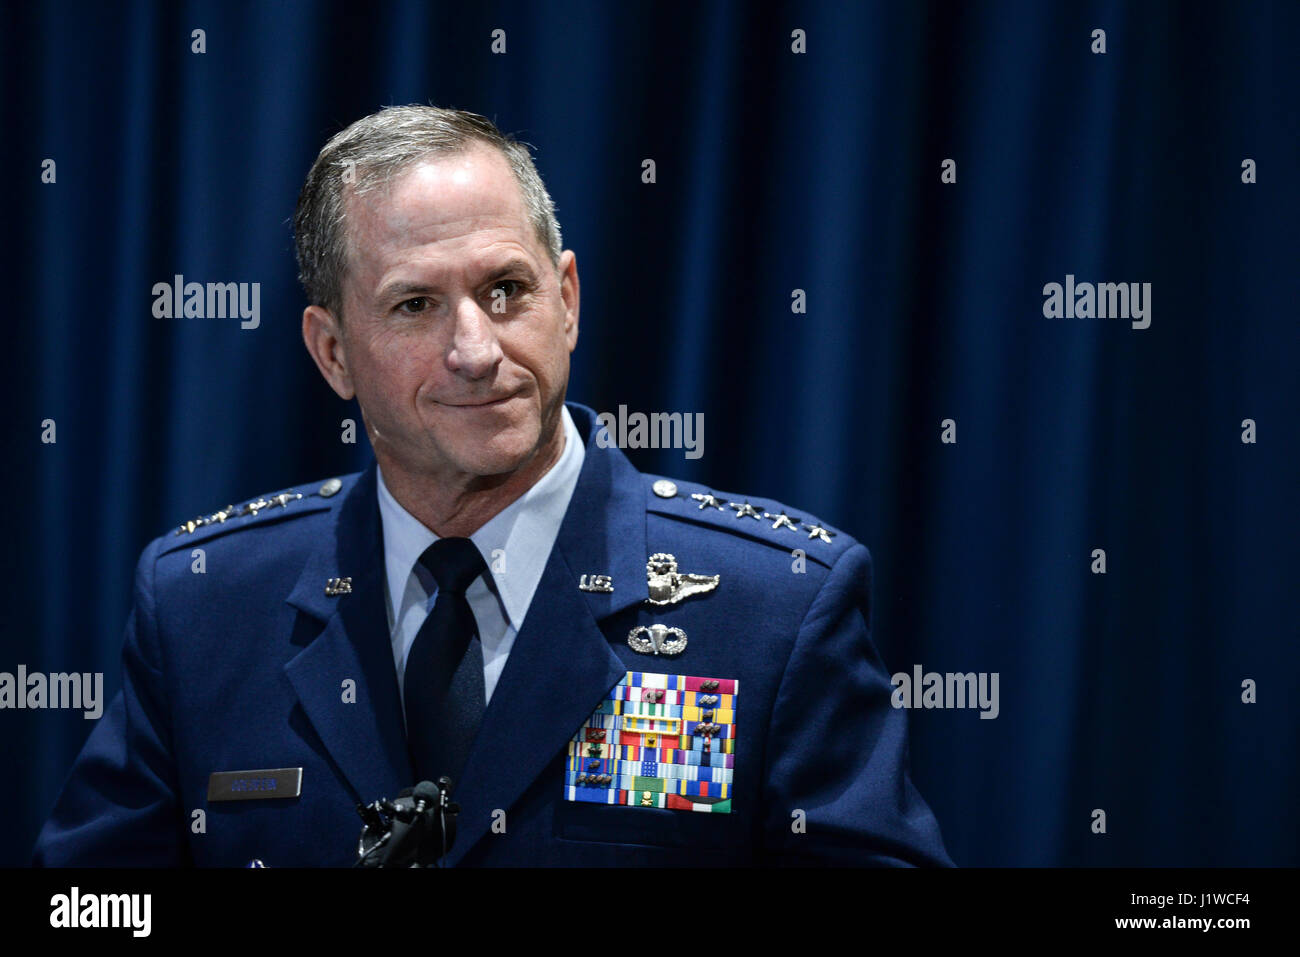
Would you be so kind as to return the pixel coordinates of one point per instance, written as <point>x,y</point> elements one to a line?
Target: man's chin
<point>500,456</point>
<point>493,467</point>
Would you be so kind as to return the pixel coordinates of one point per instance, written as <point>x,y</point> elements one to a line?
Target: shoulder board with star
<point>764,520</point>
<point>301,500</point>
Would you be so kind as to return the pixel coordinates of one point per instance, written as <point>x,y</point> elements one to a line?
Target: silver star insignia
<point>746,509</point>
<point>707,499</point>
<point>816,531</point>
<point>782,521</point>
<point>202,520</point>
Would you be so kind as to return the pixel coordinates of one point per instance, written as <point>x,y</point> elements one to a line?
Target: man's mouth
<point>481,405</point>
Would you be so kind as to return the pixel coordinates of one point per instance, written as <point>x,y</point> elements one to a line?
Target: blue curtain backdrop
<point>776,171</point>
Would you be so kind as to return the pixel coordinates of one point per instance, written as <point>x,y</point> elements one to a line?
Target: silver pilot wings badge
<point>668,586</point>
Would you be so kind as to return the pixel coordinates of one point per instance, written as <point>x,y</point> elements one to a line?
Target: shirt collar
<point>515,543</point>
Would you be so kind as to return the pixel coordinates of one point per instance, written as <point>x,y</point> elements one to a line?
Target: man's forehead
<point>444,193</point>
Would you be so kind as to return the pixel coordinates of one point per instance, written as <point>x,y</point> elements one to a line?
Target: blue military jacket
<point>253,665</point>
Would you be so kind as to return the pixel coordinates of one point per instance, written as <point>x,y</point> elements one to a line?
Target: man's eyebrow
<point>403,287</point>
<point>509,266</point>
<point>412,287</point>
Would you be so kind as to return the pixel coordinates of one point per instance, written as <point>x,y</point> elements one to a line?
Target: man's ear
<point>568,268</point>
<point>323,336</point>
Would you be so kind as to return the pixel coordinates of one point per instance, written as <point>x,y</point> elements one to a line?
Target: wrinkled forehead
<point>440,200</point>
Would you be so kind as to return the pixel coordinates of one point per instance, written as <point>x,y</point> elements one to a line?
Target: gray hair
<point>368,154</point>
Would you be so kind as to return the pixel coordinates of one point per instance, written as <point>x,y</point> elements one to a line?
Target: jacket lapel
<point>561,664</point>
<point>365,739</point>
<point>560,667</point>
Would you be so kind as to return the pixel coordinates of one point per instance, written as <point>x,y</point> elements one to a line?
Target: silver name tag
<point>255,785</point>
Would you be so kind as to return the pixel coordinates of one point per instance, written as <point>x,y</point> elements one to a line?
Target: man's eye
<point>418,304</point>
<point>515,286</point>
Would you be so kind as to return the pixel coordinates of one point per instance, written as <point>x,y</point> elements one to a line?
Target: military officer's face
<point>456,328</point>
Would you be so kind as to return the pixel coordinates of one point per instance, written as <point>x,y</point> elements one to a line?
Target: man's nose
<point>475,351</point>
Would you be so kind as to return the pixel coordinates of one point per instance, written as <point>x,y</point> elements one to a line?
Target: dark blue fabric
<point>775,171</point>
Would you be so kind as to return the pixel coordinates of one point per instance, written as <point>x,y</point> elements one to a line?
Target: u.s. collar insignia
<point>338,586</point>
<point>667,586</point>
<point>655,640</point>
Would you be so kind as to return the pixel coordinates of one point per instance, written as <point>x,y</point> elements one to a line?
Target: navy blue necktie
<point>443,686</point>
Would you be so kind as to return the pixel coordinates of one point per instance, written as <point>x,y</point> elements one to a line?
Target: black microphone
<point>426,793</point>
<point>410,824</point>
<point>446,817</point>
<point>415,830</point>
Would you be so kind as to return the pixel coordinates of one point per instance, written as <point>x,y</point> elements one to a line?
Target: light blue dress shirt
<point>516,544</point>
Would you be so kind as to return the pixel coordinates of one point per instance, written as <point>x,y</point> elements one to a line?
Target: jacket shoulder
<point>760,521</point>
<point>270,508</point>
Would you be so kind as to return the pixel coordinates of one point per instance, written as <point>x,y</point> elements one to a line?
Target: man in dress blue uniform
<point>593,655</point>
